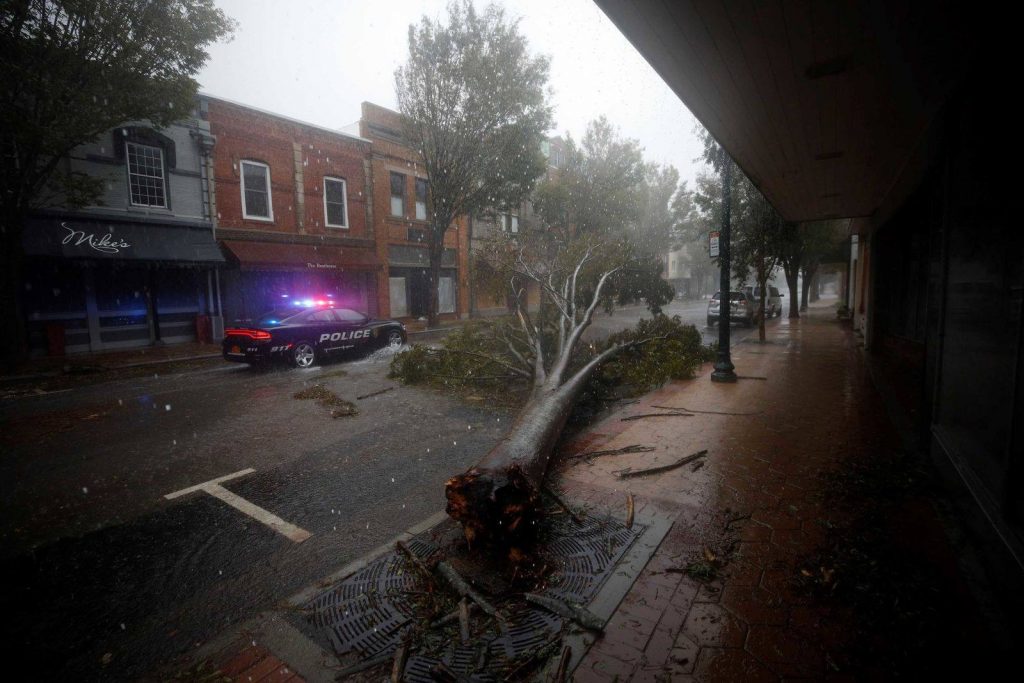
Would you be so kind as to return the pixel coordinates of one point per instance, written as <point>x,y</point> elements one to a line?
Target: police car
<point>310,334</point>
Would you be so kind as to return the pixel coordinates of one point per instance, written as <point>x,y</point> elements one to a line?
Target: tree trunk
<point>762,283</point>
<point>794,291</point>
<point>498,500</point>
<point>815,285</point>
<point>805,288</point>
<point>436,251</point>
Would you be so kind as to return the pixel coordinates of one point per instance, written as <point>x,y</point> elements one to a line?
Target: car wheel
<point>395,339</point>
<point>303,355</point>
<point>711,321</point>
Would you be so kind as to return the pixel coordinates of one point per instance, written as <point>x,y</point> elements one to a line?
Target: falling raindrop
<point>85,489</point>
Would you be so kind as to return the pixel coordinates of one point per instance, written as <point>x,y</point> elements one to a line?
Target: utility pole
<point>723,366</point>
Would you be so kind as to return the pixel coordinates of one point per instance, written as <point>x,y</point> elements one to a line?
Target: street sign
<point>713,243</point>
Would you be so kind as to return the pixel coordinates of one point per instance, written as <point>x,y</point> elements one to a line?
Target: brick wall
<point>299,156</point>
<point>384,127</point>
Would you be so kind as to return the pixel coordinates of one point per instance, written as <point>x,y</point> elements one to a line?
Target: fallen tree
<point>497,501</point>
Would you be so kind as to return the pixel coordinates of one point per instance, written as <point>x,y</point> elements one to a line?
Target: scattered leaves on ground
<point>328,399</point>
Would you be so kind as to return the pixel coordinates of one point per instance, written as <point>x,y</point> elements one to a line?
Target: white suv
<point>772,302</point>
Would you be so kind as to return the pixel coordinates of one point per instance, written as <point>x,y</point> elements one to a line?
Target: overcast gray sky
<point>317,60</point>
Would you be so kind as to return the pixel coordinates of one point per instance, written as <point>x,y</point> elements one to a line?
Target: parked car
<point>304,337</point>
<point>772,302</point>
<point>742,308</point>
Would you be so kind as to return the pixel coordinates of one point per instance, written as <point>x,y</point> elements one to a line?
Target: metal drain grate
<point>367,613</point>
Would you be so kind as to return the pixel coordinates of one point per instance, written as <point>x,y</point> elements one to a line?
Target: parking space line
<point>199,487</point>
<point>213,487</point>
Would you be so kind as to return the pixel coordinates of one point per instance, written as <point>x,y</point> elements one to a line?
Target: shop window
<point>146,183</point>
<point>335,209</point>
<point>421,199</point>
<point>397,194</point>
<point>256,201</point>
<point>446,295</point>
<point>399,304</point>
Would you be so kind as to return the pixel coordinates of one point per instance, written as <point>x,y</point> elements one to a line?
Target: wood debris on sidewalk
<point>630,473</point>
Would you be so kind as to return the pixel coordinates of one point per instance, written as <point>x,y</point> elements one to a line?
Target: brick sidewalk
<point>759,509</point>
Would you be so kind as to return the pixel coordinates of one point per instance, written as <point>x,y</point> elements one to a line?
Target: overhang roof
<point>277,256</point>
<point>822,103</point>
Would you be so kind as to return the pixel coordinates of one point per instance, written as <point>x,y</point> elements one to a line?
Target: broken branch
<point>630,473</point>
<point>580,615</point>
<point>398,667</point>
<point>703,412</point>
<point>643,415</point>
<point>563,665</point>
<point>374,393</point>
<point>363,665</point>
<point>615,451</point>
<point>465,590</point>
<point>416,561</point>
<point>562,504</point>
<point>464,621</point>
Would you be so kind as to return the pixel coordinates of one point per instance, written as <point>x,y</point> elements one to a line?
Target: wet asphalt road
<point>690,312</point>
<point>99,563</point>
<point>108,580</point>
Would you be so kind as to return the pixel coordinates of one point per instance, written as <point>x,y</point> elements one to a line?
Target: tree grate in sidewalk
<point>368,613</point>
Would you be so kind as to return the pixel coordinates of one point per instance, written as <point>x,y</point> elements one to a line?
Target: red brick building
<point>399,217</point>
<point>292,212</point>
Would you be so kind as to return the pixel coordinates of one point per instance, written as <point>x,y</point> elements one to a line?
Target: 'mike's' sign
<point>105,244</point>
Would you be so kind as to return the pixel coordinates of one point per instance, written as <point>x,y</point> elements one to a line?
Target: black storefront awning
<point>119,241</point>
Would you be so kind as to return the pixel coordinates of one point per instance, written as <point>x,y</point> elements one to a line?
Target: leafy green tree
<point>606,192</point>
<point>70,70</point>
<point>824,242</point>
<point>600,190</point>
<point>658,218</point>
<point>475,106</point>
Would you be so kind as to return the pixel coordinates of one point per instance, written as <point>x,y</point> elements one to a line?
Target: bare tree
<point>498,500</point>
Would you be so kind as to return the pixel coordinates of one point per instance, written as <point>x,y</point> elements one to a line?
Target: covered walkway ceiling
<point>822,103</point>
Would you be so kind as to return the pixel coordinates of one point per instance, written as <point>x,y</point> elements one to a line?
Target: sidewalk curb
<point>162,361</point>
<point>16,379</point>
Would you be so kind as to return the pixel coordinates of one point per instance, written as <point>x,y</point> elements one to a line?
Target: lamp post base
<point>723,372</point>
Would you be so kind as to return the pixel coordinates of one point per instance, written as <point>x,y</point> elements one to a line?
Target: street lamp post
<point>723,371</point>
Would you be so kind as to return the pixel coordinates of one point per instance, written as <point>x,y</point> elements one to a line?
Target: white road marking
<point>200,487</point>
<point>213,487</point>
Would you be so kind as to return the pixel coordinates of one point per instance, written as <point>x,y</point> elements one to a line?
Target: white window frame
<point>392,196</point>
<point>418,202</point>
<point>344,192</point>
<point>270,195</point>
<point>506,223</point>
<point>128,168</point>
